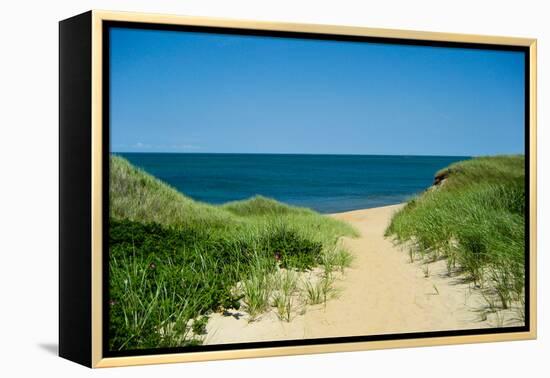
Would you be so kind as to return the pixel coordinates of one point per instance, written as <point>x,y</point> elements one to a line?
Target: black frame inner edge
<point>299,35</point>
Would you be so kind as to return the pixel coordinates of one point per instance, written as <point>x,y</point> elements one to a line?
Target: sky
<point>174,91</point>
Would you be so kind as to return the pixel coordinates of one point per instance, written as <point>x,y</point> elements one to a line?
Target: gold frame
<point>97,19</point>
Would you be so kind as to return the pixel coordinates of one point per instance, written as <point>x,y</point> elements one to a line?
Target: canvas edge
<point>97,189</point>
<point>74,275</point>
<point>98,16</point>
<point>533,187</point>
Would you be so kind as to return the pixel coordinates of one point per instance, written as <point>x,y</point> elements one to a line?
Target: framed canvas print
<point>236,189</point>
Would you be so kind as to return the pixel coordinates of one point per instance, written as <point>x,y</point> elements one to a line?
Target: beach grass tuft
<point>321,290</point>
<point>286,286</point>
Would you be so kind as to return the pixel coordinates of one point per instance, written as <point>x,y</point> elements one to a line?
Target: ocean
<point>326,183</point>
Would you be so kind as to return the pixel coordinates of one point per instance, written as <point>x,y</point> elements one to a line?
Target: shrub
<point>292,250</point>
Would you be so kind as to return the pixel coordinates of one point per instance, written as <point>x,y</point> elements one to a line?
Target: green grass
<point>173,260</point>
<point>256,288</point>
<point>476,220</point>
<point>285,288</point>
<point>321,290</point>
<point>138,196</point>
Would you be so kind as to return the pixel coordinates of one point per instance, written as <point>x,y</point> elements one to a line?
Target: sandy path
<point>382,293</point>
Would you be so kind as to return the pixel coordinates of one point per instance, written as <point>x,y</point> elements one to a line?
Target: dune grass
<point>476,220</point>
<point>173,260</point>
<point>137,196</point>
<point>284,295</point>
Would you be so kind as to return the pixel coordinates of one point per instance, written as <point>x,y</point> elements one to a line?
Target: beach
<point>382,293</point>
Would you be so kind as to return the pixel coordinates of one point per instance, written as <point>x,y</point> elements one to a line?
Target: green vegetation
<point>284,294</point>
<point>475,218</point>
<point>321,290</point>
<point>173,260</point>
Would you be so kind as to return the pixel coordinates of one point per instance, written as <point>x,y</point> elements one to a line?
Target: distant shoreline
<point>366,210</point>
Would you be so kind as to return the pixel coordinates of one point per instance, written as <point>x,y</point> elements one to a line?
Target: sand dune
<point>382,293</point>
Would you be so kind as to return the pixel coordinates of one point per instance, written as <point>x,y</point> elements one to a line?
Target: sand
<point>382,293</point>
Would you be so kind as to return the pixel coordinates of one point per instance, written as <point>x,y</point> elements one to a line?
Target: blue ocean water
<point>326,183</point>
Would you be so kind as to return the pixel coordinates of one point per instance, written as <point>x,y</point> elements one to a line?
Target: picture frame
<point>84,117</point>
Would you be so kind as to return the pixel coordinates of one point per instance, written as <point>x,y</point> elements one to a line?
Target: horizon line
<point>294,153</point>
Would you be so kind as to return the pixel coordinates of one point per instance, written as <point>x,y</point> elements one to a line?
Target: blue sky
<point>196,92</point>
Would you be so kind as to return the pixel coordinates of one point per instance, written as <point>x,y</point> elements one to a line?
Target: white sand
<point>382,293</point>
